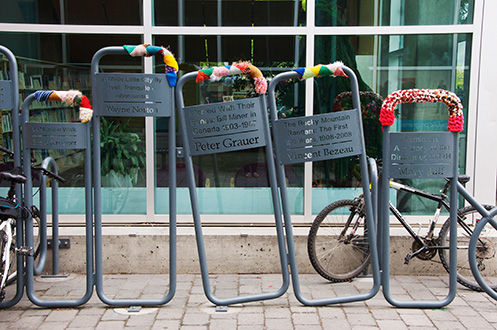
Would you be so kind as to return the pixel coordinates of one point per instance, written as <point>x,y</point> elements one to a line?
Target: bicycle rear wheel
<point>485,253</point>
<point>337,244</point>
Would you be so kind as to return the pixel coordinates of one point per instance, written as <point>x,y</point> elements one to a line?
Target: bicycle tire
<point>487,249</point>
<point>333,257</point>
<point>12,277</point>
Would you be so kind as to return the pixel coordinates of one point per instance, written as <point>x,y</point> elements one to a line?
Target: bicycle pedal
<point>408,258</point>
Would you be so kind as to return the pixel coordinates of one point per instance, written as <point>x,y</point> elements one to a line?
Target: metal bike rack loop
<point>418,155</point>
<point>46,163</point>
<point>56,136</point>
<point>310,149</point>
<point>109,94</point>
<point>9,99</point>
<point>211,143</point>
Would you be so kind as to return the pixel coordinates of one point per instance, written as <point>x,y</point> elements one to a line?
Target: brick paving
<point>190,309</point>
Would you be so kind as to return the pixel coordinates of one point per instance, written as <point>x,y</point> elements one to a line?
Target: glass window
<point>232,182</point>
<point>397,62</point>
<point>393,12</point>
<point>62,62</point>
<point>105,12</point>
<point>230,13</point>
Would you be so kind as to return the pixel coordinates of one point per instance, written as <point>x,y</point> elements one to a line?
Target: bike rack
<point>200,143</point>
<point>310,149</point>
<point>49,161</point>
<point>9,99</point>
<point>413,155</point>
<point>56,136</point>
<point>108,90</point>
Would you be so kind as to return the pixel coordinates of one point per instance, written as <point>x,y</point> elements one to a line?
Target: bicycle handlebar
<point>49,174</point>
<point>7,151</point>
<point>71,98</point>
<point>242,68</point>
<point>456,117</point>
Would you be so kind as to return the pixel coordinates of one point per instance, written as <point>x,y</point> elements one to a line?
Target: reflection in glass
<point>385,64</point>
<point>229,13</point>
<point>393,12</point>
<point>232,182</point>
<point>105,12</point>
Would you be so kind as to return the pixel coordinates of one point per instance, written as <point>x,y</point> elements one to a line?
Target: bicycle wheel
<point>36,240</point>
<point>6,261</point>
<point>486,249</point>
<point>337,244</point>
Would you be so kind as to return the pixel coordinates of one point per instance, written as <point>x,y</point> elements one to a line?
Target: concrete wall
<point>229,250</point>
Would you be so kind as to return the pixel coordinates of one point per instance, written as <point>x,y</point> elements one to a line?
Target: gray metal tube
<point>385,243</point>
<point>370,218</point>
<point>17,162</point>
<point>28,199</point>
<point>46,163</point>
<point>97,182</point>
<point>196,213</point>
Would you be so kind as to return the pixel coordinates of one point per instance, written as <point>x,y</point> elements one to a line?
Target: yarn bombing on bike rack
<point>146,50</point>
<point>322,70</point>
<point>243,68</point>
<point>71,98</point>
<point>456,117</point>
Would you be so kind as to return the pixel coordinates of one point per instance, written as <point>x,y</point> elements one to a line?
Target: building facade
<point>390,44</point>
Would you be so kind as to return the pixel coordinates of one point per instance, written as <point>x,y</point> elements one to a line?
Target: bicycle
<point>12,210</point>
<point>338,247</point>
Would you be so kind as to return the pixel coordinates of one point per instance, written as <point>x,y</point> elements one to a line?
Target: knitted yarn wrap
<point>71,98</point>
<point>456,117</point>
<point>322,70</point>
<point>146,50</point>
<point>242,68</point>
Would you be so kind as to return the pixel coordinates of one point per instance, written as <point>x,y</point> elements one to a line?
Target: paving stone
<point>145,320</point>
<point>83,321</point>
<point>251,318</point>
<point>110,325</point>
<point>62,315</point>
<point>195,318</point>
<point>279,324</point>
<point>391,325</point>
<point>54,325</point>
<point>307,318</point>
<point>416,320</point>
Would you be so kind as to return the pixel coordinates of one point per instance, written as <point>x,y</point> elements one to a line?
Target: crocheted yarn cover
<point>71,98</point>
<point>456,117</point>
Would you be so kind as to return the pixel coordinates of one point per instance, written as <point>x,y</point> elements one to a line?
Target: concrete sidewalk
<point>190,310</point>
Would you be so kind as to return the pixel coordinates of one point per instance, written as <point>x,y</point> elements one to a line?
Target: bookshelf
<point>36,75</point>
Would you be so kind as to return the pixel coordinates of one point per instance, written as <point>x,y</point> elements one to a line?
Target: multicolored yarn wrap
<point>146,50</point>
<point>456,117</point>
<point>243,68</point>
<point>71,98</point>
<point>322,70</point>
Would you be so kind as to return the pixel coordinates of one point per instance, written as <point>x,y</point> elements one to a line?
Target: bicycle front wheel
<point>485,250</point>
<point>12,278</point>
<point>337,244</point>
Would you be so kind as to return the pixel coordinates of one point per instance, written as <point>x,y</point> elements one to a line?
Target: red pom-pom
<point>85,103</point>
<point>456,123</point>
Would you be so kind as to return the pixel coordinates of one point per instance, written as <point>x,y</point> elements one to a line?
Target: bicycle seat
<point>463,178</point>
<point>17,178</point>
